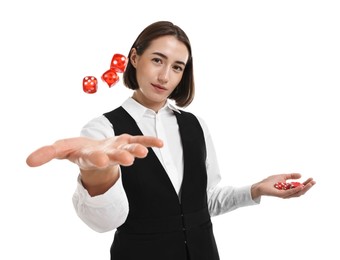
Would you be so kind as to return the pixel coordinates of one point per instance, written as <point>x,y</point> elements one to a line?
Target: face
<point>159,70</point>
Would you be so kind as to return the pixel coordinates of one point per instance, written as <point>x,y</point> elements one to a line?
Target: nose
<point>163,76</point>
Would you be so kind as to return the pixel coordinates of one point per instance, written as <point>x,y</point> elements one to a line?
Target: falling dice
<point>110,77</point>
<point>287,185</point>
<point>118,63</point>
<point>90,84</point>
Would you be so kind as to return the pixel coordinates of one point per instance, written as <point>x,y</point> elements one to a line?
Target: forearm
<point>104,212</point>
<point>225,199</point>
<point>97,182</point>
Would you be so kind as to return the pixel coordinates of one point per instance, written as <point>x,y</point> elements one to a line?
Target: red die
<point>110,77</point>
<point>118,63</point>
<point>287,185</point>
<point>90,84</point>
<point>295,184</point>
<point>278,185</point>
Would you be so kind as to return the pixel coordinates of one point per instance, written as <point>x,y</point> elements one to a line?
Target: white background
<point>267,76</point>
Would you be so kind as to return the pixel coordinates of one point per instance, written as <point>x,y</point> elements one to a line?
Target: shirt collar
<point>137,111</point>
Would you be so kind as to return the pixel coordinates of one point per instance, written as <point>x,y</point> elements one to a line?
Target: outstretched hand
<point>266,186</point>
<point>90,154</point>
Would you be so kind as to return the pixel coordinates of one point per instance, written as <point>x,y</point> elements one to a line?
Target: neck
<point>155,106</point>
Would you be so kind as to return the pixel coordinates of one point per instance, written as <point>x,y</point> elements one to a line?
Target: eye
<point>178,68</point>
<point>157,60</point>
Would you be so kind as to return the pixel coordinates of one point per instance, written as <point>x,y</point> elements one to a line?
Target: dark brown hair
<point>184,93</point>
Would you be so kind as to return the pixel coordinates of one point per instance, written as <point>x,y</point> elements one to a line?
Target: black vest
<point>159,226</point>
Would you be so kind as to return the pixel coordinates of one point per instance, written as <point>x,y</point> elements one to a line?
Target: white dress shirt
<point>109,210</point>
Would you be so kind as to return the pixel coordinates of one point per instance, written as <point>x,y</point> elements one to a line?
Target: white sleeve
<point>222,199</point>
<point>108,211</point>
<point>104,212</point>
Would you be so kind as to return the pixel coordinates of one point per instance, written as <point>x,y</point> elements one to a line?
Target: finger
<point>59,150</point>
<point>96,159</point>
<point>294,192</point>
<point>41,156</point>
<point>147,141</point>
<point>293,176</point>
<point>126,154</point>
<point>307,181</point>
<point>301,190</point>
<point>101,160</point>
<point>307,186</point>
<point>137,150</point>
<point>121,157</point>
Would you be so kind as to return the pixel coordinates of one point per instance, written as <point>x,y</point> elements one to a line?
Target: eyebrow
<point>165,57</point>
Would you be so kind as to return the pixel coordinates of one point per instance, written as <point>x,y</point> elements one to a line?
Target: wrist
<point>255,191</point>
<point>97,182</point>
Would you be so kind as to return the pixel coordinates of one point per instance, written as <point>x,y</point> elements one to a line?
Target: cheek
<point>143,72</point>
<point>177,79</point>
<point>140,76</point>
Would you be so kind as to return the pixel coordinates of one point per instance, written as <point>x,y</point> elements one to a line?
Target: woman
<point>148,168</point>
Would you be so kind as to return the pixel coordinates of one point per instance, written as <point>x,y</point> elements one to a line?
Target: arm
<point>98,128</point>
<point>101,207</point>
<point>103,212</point>
<point>266,186</point>
<point>103,204</point>
<point>98,160</point>
<point>222,199</point>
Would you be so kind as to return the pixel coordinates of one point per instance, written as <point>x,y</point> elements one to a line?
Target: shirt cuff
<point>243,197</point>
<point>104,212</point>
<point>103,200</point>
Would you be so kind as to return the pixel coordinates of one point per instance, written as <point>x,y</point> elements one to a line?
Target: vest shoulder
<point>187,115</point>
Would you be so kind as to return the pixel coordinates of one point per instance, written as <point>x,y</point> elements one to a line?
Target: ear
<point>133,57</point>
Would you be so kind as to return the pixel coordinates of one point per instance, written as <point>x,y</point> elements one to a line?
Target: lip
<point>159,87</point>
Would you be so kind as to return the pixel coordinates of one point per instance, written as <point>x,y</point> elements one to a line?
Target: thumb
<point>293,176</point>
<point>41,156</point>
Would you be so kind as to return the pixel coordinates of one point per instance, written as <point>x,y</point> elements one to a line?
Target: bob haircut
<point>184,93</point>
